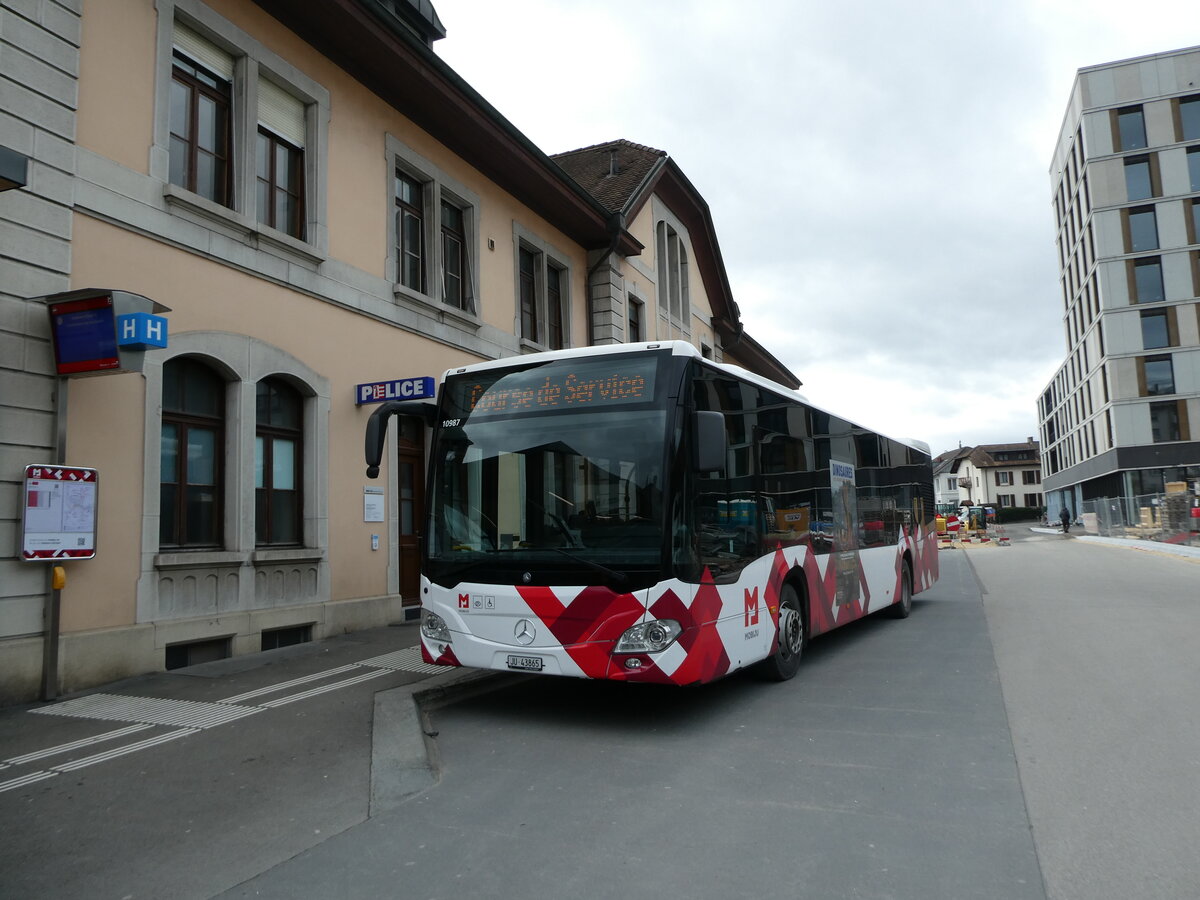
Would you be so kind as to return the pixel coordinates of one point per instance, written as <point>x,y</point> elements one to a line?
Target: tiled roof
<point>985,454</point>
<point>611,172</point>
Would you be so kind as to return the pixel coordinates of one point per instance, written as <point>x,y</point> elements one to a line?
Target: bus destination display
<point>557,387</point>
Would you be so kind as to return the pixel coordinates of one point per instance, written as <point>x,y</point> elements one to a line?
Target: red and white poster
<point>59,513</point>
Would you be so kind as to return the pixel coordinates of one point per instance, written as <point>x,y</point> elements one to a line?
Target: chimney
<point>614,167</point>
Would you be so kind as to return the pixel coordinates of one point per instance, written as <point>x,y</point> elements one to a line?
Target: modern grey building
<point>1121,417</point>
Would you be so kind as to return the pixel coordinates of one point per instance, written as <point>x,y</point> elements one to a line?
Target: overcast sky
<point>877,171</point>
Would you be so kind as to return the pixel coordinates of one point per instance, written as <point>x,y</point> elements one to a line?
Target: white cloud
<point>877,173</point>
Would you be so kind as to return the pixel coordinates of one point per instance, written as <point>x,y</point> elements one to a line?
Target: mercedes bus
<point>638,512</point>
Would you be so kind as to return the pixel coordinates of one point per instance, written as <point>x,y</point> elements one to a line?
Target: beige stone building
<point>320,203</point>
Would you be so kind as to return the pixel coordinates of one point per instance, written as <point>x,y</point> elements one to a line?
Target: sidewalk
<point>1127,543</point>
<point>185,783</point>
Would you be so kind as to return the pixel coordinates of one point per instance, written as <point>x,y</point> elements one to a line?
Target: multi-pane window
<point>277,461</point>
<point>410,231</point>
<point>280,184</point>
<point>1032,500</point>
<point>1031,476</point>
<point>554,308</point>
<point>456,281</point>
<point>527,289</point>
<point>672,275</point>
<point>1138,185</point>
<point>1189,118</point>
<point>1160,376</point>
<point>191,446</point>
<point>543,295</point>
<point>1131,128</point>
<point>279,173</point>
<point>200,131</point>
<point>1148,280</point>
<point>1004,478</point>
<point>236,132</point>
<point>1193,160</point>
<point>1155,332</point>
<point>1164,422</point>
<point>1143,229</point>
<point>635,312</point>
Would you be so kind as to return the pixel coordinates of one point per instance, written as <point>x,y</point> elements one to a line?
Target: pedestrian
<point>1065,515</point>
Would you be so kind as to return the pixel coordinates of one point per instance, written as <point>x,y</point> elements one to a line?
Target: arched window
<point>277,463</point>
<point>192,445</point>
<point>673,296</point>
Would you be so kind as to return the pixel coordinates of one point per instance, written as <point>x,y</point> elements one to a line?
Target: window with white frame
<point>239,132</point>
<point>1003,478</point>
<point>433,233</point>
<point>542,293</point>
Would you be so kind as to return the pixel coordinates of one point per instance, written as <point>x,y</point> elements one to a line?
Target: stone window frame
<point>546,254</point>
<point>252,60</point>
<point>438,185</point>
<point>666,223</point>
<point>243,362</point>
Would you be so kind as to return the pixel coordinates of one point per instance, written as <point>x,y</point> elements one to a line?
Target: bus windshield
<point>565,490</point>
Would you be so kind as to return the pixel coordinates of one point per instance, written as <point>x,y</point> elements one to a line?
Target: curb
<point>404,753</point>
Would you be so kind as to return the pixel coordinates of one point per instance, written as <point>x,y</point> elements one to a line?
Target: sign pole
<point>53,591</point>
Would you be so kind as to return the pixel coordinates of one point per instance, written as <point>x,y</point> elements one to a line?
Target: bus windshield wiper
<point>620,579</point>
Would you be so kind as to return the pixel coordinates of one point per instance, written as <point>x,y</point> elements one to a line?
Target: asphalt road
<point>1029,732</point>
<point>885,769</point>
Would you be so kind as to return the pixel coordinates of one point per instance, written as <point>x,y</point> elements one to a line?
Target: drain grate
<point>406,660</point>
<point>150,710</point>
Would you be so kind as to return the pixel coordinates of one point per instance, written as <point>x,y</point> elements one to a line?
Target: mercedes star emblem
<point>524,632</point>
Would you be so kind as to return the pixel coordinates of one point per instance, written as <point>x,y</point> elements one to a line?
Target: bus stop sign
<point>59,513</point>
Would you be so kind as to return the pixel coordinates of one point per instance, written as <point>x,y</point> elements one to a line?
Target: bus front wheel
<point>793,637</point>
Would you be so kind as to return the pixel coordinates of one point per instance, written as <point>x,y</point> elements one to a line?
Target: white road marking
<point>190,717</point>
<point>75,745</point>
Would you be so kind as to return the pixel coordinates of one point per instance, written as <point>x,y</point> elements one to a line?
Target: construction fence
<point>1172,517</point>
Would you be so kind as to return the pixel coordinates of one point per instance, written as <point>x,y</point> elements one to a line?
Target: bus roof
<point>677,348</point>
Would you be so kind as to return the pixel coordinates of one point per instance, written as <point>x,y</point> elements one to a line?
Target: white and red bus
<point>637,512</point>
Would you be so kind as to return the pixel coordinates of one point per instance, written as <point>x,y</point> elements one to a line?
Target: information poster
<point>373,504</point>
<point>59,513</point>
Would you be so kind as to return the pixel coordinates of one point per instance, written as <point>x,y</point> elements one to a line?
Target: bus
<point>638,512</point>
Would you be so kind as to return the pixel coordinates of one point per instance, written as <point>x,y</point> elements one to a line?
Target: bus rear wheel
<point>902,607</point>
<point>793,637</point>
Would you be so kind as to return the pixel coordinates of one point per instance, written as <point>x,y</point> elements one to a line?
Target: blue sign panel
<point>84,335</point>
<point>420,388</point>
<point>141,331</point>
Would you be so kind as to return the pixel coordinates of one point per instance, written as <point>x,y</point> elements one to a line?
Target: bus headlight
<point>649,637</point>
<point>434,627</point>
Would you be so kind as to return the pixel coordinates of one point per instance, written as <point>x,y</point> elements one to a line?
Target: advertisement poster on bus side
<point>845,527</point>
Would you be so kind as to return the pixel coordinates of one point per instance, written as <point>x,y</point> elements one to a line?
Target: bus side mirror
<point>710,441</point>
<point>377,427</point>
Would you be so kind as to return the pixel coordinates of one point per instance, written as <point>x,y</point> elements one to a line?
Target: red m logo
<point>751,607</point>
<point>464,601</point>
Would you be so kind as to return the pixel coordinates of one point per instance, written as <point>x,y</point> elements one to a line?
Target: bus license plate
<point>525,663</point>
